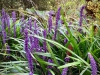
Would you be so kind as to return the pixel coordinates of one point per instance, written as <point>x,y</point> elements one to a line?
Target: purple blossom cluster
<point>50,22</point>
<point>49,66</point>
<point>28,52</point>
<point>36,40</point>
<point>14,20</point>
<point>3,20</point>
<point>44,43</point>
<point>93,64</point>
<point>22,21</point>
<point>4,37</point>
<point>57,20</point>
<point>81,17</point>
<point>8,22</point>
<point>64,71</point>
<point>5,23</point>
<point>66,40</point>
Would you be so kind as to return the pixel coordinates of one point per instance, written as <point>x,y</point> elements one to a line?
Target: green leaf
<point>84,71</point>
<point>70,64</point>
<point>42,61</point>
<point>52,55</point>
<point>43,54</point>
<point>51,72</point>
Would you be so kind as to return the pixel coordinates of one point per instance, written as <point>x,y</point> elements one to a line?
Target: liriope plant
<point>57,49</point>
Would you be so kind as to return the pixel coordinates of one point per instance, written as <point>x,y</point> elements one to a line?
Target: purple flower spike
<point>30,23</point>
<point>30,27</point>
<point>44,43</point>
<point>31,39</point>
<point>51,13</point>
<point>36,41</point>
<point>30,73</point>
<point>49,73</point>
<point>3,18</point>
<point>64,72</point>
<point>70,23</point>
<point>49,66</point>
<point>29,57</point>
<point>57,20</point>
<point>14,16</point>
<point>22,18</point>
<point>65,41</point>
<point>4,37</point>
<point>3,13</point>
<point>8,21</point>
<point>50,61</point>
<point>22,24</point>
<point>58,16</point>
<point>50,22</point>
<point>67,59</point>
<point>81,15</point>
<point>14,20</point>
<point>26,41</point>
<point>80,30</point>
<point>35,27</point>
<point>36,44</point>
<point>3,25</point>
<point>93,64</point>
<point>44,33</point>
<point>32,46</point>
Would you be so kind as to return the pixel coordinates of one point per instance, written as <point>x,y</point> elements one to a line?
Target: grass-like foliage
<point>53,47</point>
